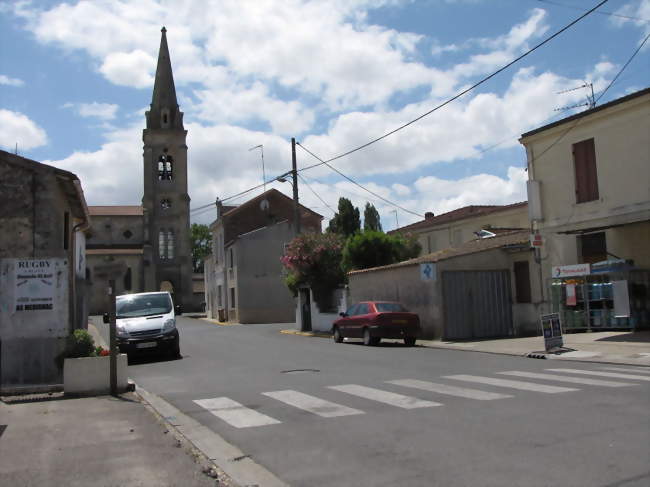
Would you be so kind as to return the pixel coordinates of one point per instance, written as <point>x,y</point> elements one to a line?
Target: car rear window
<point>389,307</point>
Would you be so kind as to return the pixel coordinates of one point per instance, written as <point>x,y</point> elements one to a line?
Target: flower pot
<point>91,375</point>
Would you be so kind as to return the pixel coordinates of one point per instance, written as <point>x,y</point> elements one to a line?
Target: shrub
<point>374,249</point>
<point>79,344</point>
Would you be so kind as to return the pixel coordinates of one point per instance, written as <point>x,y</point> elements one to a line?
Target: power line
<point>578,120</point>
<point>611,14</point>
<point>316,194</point>
<point>347,191</point>
<point>467,90</point>
<point>354,182</point>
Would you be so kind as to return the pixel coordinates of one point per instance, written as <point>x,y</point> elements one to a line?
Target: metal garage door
<point>477,304</point>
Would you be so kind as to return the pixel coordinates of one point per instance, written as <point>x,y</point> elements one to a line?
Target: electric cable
<point>316,194</point>
<point>612,14</point>
<point>465,91</point>
<point>357,184</point>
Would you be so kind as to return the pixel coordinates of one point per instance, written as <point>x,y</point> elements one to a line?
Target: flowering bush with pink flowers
<point>314,260</point>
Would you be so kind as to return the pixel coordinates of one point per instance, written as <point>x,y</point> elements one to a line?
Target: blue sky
<point>76,78</point>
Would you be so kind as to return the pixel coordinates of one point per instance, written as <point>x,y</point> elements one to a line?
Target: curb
<point>306,333</point>
<point>220,323</point>
<point>224,456</point>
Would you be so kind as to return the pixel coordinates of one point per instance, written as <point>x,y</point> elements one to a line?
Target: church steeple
<point>164,112</point>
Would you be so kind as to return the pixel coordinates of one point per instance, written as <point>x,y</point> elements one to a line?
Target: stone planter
<point>91,375</point>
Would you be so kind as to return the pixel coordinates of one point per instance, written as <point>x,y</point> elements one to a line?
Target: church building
<point>147,247</point>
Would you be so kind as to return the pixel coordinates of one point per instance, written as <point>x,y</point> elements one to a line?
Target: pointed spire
<point>164,112</point>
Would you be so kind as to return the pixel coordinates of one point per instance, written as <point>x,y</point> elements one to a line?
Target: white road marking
<point>312,404</point>
<point>514,384</point>
<point>398,400</point>
<point>603,374</point>
<point>563,378</point>
<point>638,370</point>
<point>449,390</point>
<point>234,413</point>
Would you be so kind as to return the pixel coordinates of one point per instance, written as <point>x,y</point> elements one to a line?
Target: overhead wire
<point>316,194</point>
<point>601,12</point>
<point>465,91</point>
<point>403,126</point>
<point>357,184</point>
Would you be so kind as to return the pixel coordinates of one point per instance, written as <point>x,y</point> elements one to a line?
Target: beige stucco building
<point>454,228</point>
<point>589,199</point>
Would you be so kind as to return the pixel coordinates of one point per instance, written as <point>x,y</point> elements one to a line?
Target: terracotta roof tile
<point>459,214</point>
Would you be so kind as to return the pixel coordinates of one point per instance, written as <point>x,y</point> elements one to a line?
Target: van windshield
<point>144,305</point>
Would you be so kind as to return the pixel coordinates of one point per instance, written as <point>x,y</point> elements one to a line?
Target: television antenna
<point>591,99</point>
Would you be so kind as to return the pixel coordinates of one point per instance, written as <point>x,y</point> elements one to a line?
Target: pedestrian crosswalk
<point>238,415</point>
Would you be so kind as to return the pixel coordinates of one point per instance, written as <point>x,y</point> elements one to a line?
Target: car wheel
<point>375,340</point>
<point>338,338</point>
<point>367,339</point>
<point>409,341</point>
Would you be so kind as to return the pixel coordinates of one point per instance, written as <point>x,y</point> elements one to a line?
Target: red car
<point>374,320</point>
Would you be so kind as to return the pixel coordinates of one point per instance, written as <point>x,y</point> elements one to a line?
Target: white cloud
<point>639,13</point>
<point>18,128</point>
<point>8,81</point>
<point>129,68</point>
<point>103,111</point>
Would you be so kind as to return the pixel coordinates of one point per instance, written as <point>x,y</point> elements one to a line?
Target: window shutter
<point>586,177</point>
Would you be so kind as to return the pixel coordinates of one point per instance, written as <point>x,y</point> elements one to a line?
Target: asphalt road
<point>263,391</point>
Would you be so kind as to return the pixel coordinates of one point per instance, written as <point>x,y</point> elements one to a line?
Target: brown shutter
<point>586,177</point>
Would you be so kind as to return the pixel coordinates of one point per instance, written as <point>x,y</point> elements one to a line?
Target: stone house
<point>43,217</point>
<point>243,275</point>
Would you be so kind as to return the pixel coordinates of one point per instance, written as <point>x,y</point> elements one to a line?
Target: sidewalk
<point>630,348</point>
<point>49,440</point>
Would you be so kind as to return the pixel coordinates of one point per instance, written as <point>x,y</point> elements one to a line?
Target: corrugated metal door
<point>477,304</point>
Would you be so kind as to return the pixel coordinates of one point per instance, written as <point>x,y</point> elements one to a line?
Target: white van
<point>146,321</point>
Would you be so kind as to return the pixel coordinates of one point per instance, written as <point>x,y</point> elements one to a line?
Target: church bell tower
<point>166,203</point>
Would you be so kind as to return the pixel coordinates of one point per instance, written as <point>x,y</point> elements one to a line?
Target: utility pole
<point>112,338</point>
<point>294,173</point>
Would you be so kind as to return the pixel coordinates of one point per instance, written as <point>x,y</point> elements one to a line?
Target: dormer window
<point>165,168</point>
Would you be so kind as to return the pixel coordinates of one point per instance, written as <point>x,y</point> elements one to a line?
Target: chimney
<point>428,215</point>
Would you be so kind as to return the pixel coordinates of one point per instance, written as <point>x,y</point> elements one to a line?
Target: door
<point>477,304</point>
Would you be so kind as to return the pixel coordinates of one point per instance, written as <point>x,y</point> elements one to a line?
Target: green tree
<point>374,249</point>
<point>371,220</point>
<point>347,221</point>
<point>201,240</point>
<point>314,260</point>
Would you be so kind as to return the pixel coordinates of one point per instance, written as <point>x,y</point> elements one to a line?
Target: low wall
<point>91,375</point>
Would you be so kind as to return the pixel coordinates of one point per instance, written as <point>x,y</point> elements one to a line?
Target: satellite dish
<point>264,205</point>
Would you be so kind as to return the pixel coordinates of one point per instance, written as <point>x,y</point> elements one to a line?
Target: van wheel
<point>409,341</point>
<point>338,338</point>
<point>175,351</point>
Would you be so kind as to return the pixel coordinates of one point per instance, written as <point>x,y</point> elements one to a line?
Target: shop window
<point>593,247</point>
<point>522,282</point>
<point>586,177</point>
<point>165,168</point>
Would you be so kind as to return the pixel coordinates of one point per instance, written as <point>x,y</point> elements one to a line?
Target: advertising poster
<point>35,285</point>
<point>552,331</point>
<point>571,299</point>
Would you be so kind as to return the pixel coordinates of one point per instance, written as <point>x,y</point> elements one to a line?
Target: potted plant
<point>86,368</point>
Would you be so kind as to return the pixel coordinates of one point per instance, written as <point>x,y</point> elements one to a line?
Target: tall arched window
<point>165,168</point>
<point>170,244</point>
<point>166,244</point>
<point>162,244</point>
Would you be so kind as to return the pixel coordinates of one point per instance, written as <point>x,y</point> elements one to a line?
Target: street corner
<point>306,333</point>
